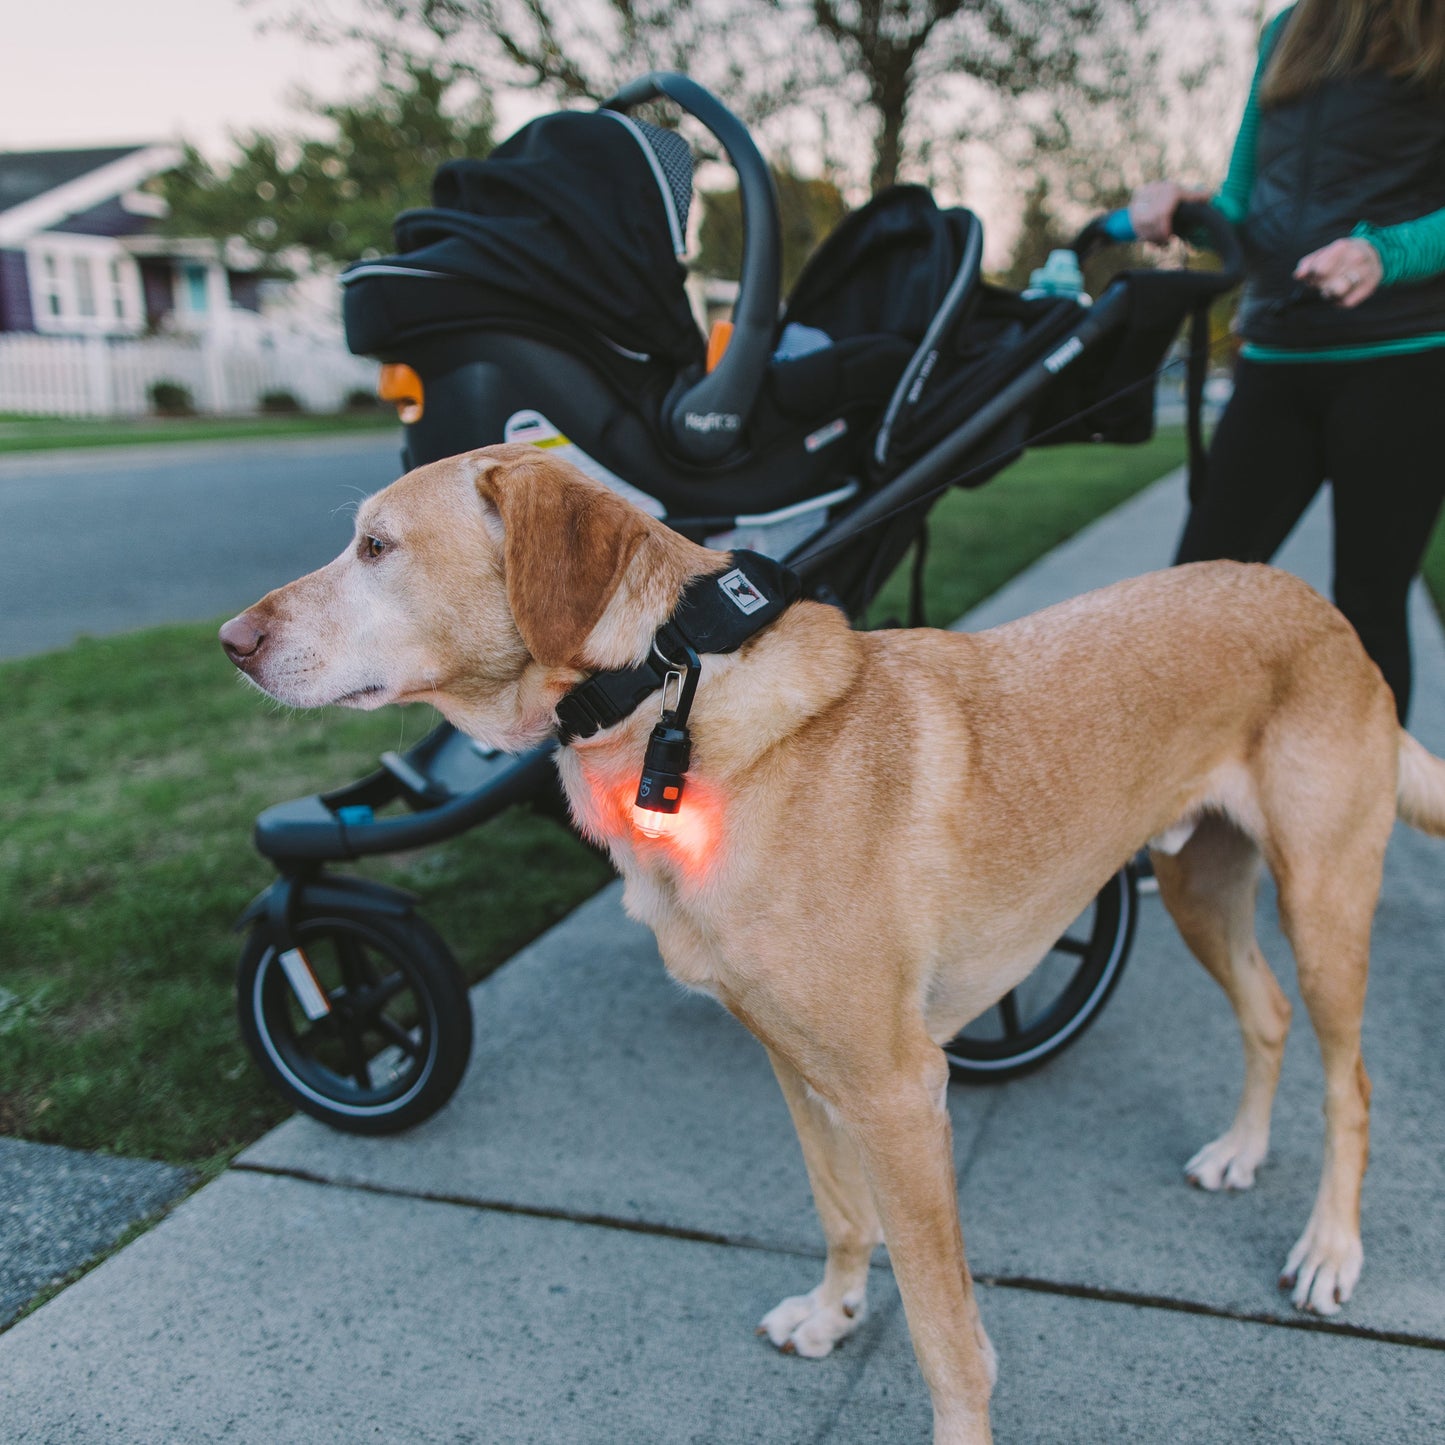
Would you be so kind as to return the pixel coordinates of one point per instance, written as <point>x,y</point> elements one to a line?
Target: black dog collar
<point>717,613</point>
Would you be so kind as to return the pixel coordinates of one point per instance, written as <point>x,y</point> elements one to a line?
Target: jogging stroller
<point>542,300</point>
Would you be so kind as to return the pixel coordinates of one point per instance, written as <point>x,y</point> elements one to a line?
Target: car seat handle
<point>704,421</point>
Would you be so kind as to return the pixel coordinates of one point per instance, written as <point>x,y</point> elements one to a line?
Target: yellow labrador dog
<point>871,849</point>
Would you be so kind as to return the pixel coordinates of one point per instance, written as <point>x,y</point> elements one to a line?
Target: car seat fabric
<point>575,217</point>
<point>884,270</point>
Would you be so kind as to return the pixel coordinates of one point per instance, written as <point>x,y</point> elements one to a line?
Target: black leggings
<point>1376,430</point>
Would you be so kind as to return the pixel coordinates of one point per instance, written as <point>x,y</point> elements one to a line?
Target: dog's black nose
<point>242,639</point>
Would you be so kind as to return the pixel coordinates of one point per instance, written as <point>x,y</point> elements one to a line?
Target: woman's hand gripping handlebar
<point>1194,220</point>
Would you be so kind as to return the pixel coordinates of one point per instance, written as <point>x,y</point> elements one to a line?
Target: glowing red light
<point>654,825</point>
<point>690,836</point>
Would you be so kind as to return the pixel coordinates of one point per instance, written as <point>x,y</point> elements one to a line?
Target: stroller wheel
<point>364,1024</point>
<point>1059,1000</point>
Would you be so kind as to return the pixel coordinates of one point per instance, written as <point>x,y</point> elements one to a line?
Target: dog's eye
<point>372,547</point>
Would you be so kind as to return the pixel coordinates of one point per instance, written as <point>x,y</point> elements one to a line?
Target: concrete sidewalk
<point>579,1246</point>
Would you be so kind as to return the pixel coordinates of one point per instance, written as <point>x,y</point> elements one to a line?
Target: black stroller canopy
<point>581,215</point>
<point>886,269</point>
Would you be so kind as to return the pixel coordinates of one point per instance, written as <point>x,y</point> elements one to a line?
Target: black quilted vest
<point>1365,149</point>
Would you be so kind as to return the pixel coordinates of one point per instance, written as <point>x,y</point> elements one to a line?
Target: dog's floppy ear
<point>566,544</point>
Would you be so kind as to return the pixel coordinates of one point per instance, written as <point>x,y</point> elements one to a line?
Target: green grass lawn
<point>131,770</point>
<point>1434,567</point>
<point>39,434</point>
<point>980,539</point>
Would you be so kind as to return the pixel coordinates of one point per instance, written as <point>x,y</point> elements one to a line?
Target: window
<point>84,286</point>
<point>50,285</point>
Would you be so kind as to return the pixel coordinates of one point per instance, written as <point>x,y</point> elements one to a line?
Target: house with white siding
<point>97,306</point>
<point>80,254</point>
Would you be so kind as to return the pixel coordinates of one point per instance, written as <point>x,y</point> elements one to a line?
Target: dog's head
<point>486,585</point>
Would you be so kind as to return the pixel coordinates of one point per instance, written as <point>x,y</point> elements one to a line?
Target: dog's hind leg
<point>813,1323</point>
<point>1210,889</point>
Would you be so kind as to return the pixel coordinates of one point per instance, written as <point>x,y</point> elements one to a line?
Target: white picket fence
<point>90,376</point>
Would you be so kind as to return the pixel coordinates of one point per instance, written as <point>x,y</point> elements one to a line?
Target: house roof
<point>38,189</point>
<point>27,174</point>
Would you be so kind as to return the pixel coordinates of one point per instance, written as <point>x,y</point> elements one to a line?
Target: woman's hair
<point>1331,39</point>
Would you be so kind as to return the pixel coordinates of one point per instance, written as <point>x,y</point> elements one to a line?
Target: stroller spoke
<point>356,966</point>
<point>384,992</point>
<point>1076,946</point>
<point>1008,1007</point>
<point>394,1033</point>
<point>356,1060</point>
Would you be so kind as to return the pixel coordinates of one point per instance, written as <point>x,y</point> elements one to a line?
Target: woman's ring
<point>1351,280</point>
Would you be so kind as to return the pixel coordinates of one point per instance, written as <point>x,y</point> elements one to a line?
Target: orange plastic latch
<point>401,385</point>
<point>717,342</point>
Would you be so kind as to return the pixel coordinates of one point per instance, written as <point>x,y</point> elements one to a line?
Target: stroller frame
<point>332,960</point>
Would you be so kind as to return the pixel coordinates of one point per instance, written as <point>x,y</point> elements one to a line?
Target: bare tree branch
<point>878,88</point>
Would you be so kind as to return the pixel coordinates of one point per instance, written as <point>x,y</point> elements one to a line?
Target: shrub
<point>170,398</point>
<point>280,403</point>
<point>361,400</point>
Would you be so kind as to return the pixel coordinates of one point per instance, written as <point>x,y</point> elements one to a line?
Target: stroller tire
<point>1053,1007</point>
<point>364,1023</point>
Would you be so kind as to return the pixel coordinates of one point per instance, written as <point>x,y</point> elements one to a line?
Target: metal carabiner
<point>673,677</point>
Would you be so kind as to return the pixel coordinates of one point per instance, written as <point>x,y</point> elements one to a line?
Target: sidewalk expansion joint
<point>529,1211</point>
<point>1025,1283</point>
<point>1310,1324</point>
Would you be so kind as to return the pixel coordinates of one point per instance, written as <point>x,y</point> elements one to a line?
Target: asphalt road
<point>105,540</point>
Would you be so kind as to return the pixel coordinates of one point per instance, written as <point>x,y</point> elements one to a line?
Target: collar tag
<point>738,588</point>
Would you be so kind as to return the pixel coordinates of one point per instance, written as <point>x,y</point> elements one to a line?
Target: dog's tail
<point>1421,789</point>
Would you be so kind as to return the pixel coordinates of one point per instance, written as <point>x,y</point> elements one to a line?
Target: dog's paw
<point>1323,1269</point>
<point>803,1325</point>
<point>1228,1163</point>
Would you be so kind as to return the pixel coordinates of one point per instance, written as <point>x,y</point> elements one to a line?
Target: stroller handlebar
<point>1193,220</point>
<point>704,420</point>
<point>1118,226</point>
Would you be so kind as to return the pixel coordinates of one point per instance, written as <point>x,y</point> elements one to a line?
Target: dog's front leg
<point>899,1122</point>
<point>811,1324</point>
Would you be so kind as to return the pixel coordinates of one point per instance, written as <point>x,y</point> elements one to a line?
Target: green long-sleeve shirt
<point>1411,251</point>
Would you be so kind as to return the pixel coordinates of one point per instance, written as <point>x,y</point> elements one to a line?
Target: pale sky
<point>114,72</point>
<point>111,72</point>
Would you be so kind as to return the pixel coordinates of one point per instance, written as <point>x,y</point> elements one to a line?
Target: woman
<point>1337,180</point>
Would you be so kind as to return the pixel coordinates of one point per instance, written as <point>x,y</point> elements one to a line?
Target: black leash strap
<point>1195,377</point>
<point>917,611</point>
<point>717,613</point>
